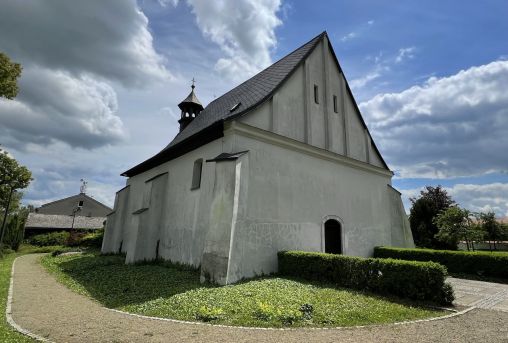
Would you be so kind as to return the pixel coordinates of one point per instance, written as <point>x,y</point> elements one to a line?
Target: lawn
<point>169,291</point>
<point>7,333</point>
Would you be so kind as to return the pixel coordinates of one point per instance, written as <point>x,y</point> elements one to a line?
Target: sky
<point>102,79</point>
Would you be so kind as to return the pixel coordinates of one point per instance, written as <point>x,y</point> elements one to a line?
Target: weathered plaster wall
<point>401,231</point>
<point>292,111</point>
<point>115,224</point>
<point>287,196</point>
<point>183,213</point>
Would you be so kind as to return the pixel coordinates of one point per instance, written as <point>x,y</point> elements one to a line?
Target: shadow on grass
<point>114,284</point>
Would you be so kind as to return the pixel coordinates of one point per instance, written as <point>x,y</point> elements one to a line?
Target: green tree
<point>492,229</point>
<point>13,176</point>
<point>9,73</point>
<point>456,224</point>
<point>424,209</point>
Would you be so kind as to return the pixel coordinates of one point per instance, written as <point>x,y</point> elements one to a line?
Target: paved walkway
<point>48,309</point>
<point>487,295</point>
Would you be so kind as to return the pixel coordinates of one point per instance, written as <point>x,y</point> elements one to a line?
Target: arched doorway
<point>333,237</point>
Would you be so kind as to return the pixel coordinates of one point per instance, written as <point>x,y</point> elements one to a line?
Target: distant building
<point>78,211</point>
<point>283,161</point>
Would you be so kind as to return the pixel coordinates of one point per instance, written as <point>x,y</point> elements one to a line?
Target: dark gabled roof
<point>208,125</point>
<point>248,95</point>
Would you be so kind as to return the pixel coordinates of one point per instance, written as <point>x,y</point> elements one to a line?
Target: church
<point>284,161</point>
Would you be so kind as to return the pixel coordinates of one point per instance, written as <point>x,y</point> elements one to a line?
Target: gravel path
<point>45,307</point>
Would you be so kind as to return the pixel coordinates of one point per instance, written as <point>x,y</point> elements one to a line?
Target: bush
<point>93,239</point>
<point>481,262</point>
<point>407,279</point>
<point>48,239</point>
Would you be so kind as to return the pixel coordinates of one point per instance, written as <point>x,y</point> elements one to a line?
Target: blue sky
<point>101,82</point>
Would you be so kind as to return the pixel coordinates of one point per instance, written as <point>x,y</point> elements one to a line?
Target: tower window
<point>80,203</point>
<point>335,104</point>
<point>316,94</point>
<point>196,174</point>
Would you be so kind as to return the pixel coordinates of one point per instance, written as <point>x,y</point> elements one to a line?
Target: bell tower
<point>191,107</point>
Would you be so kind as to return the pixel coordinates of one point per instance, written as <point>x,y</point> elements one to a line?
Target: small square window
<point>80,203</point>
<point>196,174</point>
<point>335,104</point>
<point>316,94</point>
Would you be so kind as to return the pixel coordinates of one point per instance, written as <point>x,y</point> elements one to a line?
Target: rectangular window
<point>316,94</point>
<point>196,174</point>
<point>335,104</point>
<point>80,203</point>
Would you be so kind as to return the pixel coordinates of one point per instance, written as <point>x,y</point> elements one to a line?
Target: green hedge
<point>481,262</point>
<point>407,279</point>
<point>48,239</point>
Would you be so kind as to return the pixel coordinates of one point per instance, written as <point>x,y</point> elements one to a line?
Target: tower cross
<point>193,82</point>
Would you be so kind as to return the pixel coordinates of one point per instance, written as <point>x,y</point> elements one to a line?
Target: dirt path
<point>45,307</point>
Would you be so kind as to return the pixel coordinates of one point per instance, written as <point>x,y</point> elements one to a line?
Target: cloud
<point>477,198</point>
<point>56,106</point>
<point>405,54</point>
<point>447,127</point>
<point>244,30</point>
<point>349,36</point>
<point>109,39</point>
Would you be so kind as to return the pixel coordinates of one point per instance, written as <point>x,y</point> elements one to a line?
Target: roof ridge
<point>237,101</point>
<point>271,65</point>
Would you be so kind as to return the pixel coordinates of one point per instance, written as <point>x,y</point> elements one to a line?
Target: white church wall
<point>113,236</point>
<point>292,112</point>
<point>290,193</point>
<point>185,222</point>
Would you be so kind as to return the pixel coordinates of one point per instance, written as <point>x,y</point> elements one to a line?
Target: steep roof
<point>191,99</point>
<point>249,95</point>
<point>208,125</point>
<point>59,221</point>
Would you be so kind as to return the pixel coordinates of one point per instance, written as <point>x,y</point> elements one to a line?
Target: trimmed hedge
<point>49,239</point>
<point>481,262</point>
<point>407,279</point>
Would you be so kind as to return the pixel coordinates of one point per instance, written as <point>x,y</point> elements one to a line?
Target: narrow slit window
<point>196,174</point>
<point>316,94</point>
<point>335,104</point>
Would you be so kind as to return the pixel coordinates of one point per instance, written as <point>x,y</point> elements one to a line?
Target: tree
<point>9,73</point>
<point>492,229</point>
<point>12,177</point>
<point>432,201</point>
<point>456,224</point>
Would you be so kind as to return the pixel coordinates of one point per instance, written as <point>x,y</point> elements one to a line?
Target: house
<point>75,212</point>
<point>283,161</point>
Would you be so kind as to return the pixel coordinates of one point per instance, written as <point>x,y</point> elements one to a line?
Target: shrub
<point>407,279</point>
<point>480,262</point>
<point>93,239</point>
<point>207,314</point>
<point>47,239</point>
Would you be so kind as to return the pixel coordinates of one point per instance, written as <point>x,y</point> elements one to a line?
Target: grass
<point>7,333</point>
<point>170,291</point>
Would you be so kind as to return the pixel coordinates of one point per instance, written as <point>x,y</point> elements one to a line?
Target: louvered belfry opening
<point>190,107</point>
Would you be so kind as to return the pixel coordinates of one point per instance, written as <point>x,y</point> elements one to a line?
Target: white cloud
<point>474,197</point>
<point>107,39</point>
<point>349,36</point>
<point>244,30</point>
<point>56,106</point>
<point>405,54</point>
<point>447,127</point>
